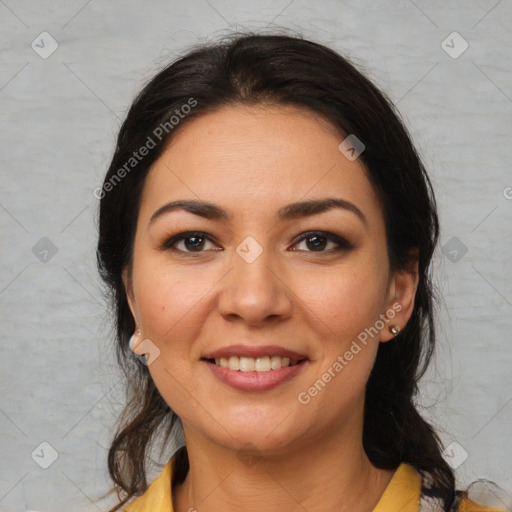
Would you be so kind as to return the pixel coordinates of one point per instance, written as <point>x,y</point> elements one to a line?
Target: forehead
<point>257,158</point>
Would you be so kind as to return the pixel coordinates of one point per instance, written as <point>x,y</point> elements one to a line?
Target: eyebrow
<point>288,212</point>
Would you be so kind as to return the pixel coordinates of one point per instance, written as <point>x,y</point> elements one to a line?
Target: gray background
<point>59,119</point>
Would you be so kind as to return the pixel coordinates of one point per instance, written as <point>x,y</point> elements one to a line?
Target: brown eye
<point>318,241</point>
<point>194,242</point>
<point>190,242</point>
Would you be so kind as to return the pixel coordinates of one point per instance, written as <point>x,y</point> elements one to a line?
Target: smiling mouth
<point>251,364</point>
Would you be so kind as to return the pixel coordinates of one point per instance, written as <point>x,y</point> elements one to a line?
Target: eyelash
<point>342,243</point>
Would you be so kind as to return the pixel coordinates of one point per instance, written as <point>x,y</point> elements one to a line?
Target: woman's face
<point>263,271</point>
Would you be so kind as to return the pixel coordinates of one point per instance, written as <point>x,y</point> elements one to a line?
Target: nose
<point>255,293</point>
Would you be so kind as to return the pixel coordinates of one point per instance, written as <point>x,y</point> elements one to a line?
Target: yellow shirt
<point>402,494</point>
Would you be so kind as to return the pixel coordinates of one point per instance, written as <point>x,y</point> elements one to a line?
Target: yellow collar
<point>157,497</point>
<point>402,492</point>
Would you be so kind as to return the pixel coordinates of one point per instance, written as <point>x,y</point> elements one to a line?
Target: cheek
<point>167,301</point>
<point>343,307</point>
<point>348,300</point>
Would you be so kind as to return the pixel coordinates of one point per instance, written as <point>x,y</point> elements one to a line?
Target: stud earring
<point>132,339</point>
<point>395,329</point>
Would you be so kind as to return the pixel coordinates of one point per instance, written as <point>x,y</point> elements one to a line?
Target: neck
<point>331,473</point>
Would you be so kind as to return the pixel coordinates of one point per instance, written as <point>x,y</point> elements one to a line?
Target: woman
<point>266,230</point>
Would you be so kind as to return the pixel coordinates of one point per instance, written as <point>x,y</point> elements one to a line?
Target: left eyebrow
<point>288,212</point>
<point>315,206</point>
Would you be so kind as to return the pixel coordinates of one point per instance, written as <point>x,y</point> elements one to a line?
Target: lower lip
<point>255,381</point>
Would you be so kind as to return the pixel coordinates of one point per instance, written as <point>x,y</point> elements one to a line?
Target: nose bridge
<point>253,289</point>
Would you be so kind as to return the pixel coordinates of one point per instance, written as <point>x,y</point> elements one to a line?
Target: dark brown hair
<point>251,69</point>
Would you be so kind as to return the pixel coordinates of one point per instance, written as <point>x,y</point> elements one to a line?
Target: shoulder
<point>468,505</point>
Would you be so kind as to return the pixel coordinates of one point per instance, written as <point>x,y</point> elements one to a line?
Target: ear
<point>402,291</point>
<point>127,282</point>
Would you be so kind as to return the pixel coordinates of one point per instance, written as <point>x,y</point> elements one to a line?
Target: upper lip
<point>253,351</point>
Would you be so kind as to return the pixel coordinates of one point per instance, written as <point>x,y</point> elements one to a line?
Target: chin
<point>264,437</point>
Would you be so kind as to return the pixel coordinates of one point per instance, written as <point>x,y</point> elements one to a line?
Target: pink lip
<point>255,381</point>
<point>253,351</point>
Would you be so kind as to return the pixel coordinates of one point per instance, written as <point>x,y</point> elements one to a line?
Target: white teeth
<point>234,363</point>
<point>259,364</point>
<point>275,362</point>
<point>247,364</point>
<point>262,364</point>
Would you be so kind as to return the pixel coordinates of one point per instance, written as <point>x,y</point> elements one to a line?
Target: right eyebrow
<point>200,208</point>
